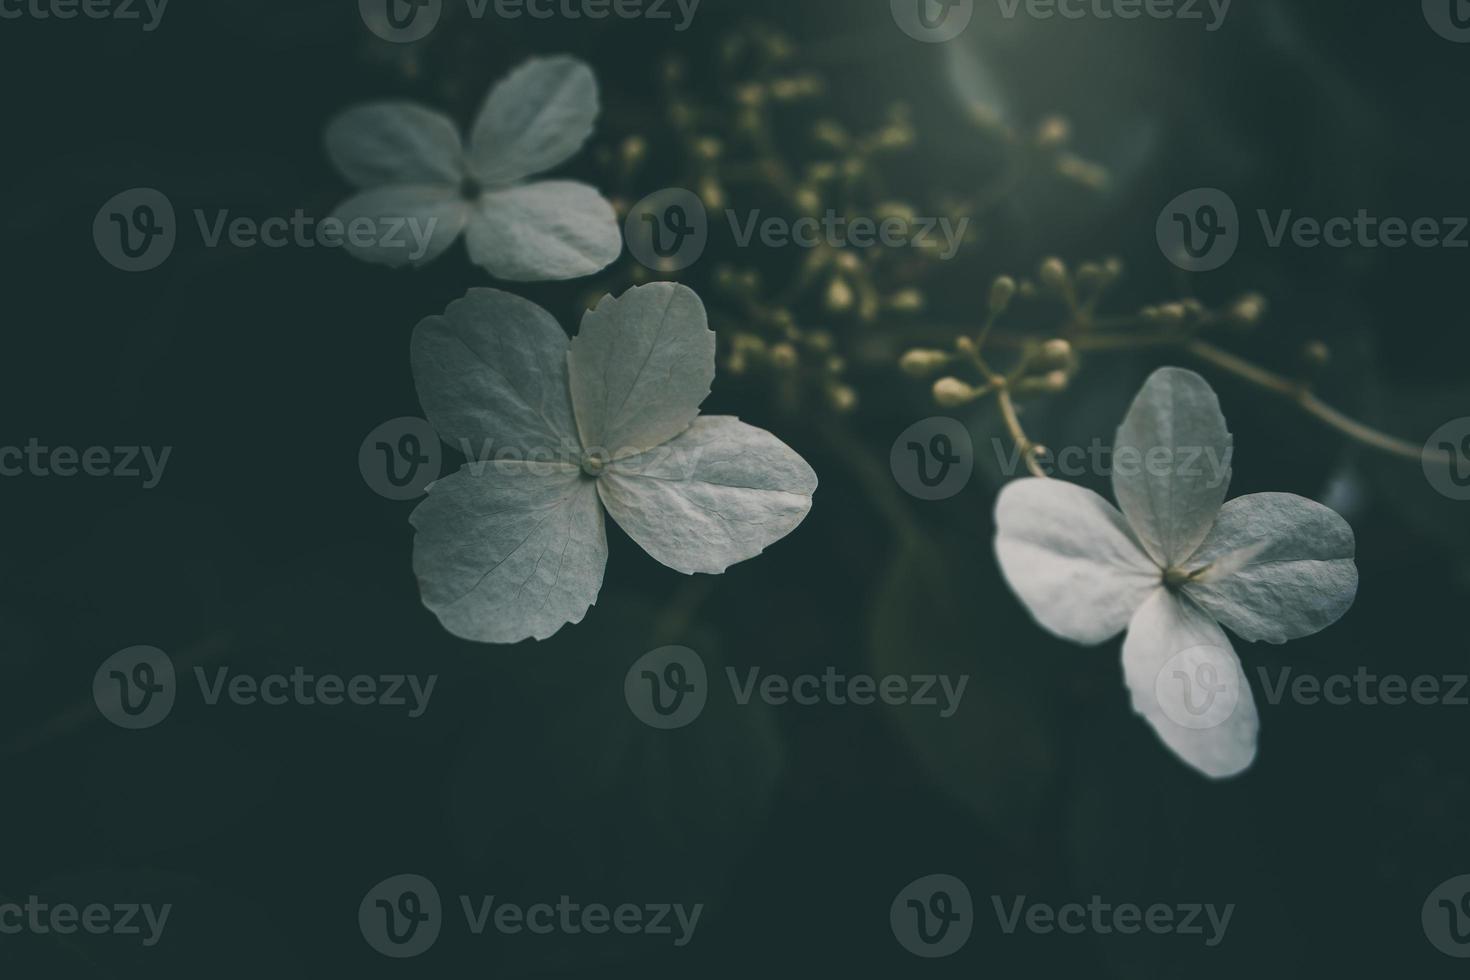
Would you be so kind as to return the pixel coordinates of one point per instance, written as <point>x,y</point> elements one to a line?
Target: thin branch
<point>1301,395</point>
<point>1028,449</point>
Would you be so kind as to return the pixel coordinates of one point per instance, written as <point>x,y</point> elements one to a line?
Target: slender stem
<point>1297,392</point>
<point>1027,448</point>
<point>984,333</point>
<point>1124,341</point>
<point>1301,395</point>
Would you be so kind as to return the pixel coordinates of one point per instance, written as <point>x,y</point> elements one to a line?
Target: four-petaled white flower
<point>413,168</point>
<point>513,545</point>
<point>1175,565</point>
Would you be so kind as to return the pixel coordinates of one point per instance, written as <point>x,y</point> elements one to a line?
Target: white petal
<point>1298,577</point>
<point>641,365</point>
<point>402,224</point>
<point>557,229</point>
<point>517,551</point>
<point>491,375</point>
<point>1171,463</point>
<point>1069,555</point>
<point>717,494</point>
<point>535,118</point>
<point>1188,683</point>
<point>395,143</point>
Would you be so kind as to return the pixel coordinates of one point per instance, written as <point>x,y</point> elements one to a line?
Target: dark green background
<point>263,549</point>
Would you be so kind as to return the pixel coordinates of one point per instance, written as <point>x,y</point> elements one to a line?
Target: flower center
<point>471,189</point>
<point>1175,578</point>
<point>594,463</point>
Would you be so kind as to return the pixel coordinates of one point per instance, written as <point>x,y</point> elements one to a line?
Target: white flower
<point>513,545</point>
<point>1175,565</point>
<point>413,167</point>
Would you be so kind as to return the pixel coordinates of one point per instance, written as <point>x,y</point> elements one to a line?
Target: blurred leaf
<point>996,754</point>
<point>564,791</point>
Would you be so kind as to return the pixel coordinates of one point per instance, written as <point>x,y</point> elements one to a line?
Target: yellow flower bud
<point>1053,273</point>
<point>751,94</point>
<point>953,393</point>
<point>831,132</point>
<point>779,47</point>
<point>712,194</point>
<point>747,343</point>
<point>896,209</point>
<point>1089,175</point>
<point>1001,293</point>
<point>922,362</point>
<point>821,172</point>
<point>1248,310</point>
<point>1054,381</point>
<point>896,137</point>
<point>984,116</point>
<point>1053,133</point>
<point>839,296</point>
<point>635,149</point>
<point>786,89</point>
<point>906,301</point>
<point>844,398</point>
<point>1056,353</point>
<point>820,341</point>
<point>1172,314</point>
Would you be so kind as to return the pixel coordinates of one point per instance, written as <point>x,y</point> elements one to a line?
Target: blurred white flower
<point>413,167</point>
<point>1175,565</point>
<point>513,545</point>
